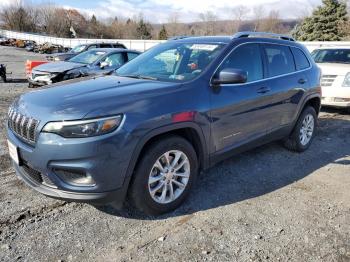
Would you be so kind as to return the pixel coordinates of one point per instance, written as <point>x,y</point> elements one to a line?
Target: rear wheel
<point>164,176</point>
<point>303,132</point>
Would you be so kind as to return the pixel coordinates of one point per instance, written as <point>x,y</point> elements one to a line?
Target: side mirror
<point>230,76</point>
<point>103,65</point>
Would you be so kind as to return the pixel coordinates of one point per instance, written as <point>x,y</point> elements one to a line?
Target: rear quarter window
<point>280,60</point>
<point>301,61</point>
<point>105,46</point>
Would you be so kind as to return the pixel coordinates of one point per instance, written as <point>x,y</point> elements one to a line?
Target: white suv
<point>335,65</point>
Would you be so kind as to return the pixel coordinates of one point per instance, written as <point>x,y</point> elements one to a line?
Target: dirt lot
<point>264,205</point>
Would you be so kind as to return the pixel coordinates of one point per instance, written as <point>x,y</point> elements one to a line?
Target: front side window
<point>172,61</point>
<point>331,56</point>
<point>115,60</point>
<point>131,56</point>
<point>247,58</point>
<point>87,57</point>
<point>279,60</point>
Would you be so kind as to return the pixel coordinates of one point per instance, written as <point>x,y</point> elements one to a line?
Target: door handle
<point>263,90</point>
<point>302,81</point>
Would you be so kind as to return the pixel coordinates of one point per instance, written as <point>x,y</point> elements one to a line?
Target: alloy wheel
<point>169,177</point>
<point>307,129</point>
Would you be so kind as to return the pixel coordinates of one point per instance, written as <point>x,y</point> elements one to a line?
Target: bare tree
<point>258,13</point>
<point>272,23</point>
<point>18,16</point>
<point>209,20</point>
<point>173,27</point>
<point>239,13</point>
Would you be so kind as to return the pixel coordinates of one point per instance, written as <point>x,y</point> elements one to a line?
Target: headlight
<point>83,128</point>
<point>72,74</point>
<point>346,82</point>
<point>56,58</point>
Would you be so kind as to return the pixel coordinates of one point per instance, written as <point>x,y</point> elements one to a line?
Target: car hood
<point>58,67</point>
<point>334,68</point>
<point>90,97</point>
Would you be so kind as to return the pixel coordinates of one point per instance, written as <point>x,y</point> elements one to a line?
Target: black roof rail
<point>264,35</point>
<point>178,37</point>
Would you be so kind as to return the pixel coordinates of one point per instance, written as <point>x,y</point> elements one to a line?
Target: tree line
<point>328,22</point>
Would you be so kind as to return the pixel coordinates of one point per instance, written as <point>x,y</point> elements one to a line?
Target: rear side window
<point>92,47</point>
<point>119,46</point>
<point>301,62</point>
<point>105,45</point>
<point>248,58</point>
<point>279,60</point>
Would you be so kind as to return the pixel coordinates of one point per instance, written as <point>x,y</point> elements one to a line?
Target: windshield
<point>78,49</point>
<point>172,62</point>
<point>331,56</point>
<point>88,57</point>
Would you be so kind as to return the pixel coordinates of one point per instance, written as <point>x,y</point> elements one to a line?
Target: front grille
<point>37,176</point>
<point>23,126</point>
<point>327,80</point>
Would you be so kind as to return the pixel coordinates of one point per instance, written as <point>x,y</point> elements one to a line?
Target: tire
<point>140,195</point>
<point>294,142</point>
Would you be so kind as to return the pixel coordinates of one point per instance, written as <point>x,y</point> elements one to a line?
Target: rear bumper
<point>333,103</point>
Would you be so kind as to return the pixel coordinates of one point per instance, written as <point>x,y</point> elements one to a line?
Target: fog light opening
<point>75,177</point>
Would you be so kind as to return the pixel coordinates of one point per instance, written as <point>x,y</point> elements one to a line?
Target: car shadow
<point>259,172</point>
<point>332,110</point>
<point>15,81</point>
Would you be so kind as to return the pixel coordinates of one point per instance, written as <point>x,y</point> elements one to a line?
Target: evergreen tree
<point>325,23</point>
<point>143,30</point>
<point>163,34</point>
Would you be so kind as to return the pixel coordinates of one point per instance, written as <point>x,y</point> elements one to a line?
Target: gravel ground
<point>268,204</point>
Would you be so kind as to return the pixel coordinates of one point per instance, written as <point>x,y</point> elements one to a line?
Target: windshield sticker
<point>203,47</point>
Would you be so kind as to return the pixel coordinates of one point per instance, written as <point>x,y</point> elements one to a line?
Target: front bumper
<point>104,158</point>
<point>35,82</point>
<point>116,196</point>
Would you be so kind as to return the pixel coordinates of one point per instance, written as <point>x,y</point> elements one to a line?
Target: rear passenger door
<point>286,83</point>
<point>241,112</point>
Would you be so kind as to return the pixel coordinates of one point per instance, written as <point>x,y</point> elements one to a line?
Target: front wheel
<point>304,131</point>
<point>164,176</point>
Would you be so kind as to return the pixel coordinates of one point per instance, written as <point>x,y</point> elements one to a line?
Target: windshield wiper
<point>140,77</point>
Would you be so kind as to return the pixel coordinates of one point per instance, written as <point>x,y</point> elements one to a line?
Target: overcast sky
<point>159,11</point>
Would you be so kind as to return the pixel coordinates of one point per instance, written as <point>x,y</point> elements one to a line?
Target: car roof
<point>204,39</point>
<point>230,39</point>
<point>103,43</point>
<point>116,50</point>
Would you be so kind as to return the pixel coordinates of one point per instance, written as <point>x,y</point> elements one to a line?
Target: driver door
<point>241,113</point>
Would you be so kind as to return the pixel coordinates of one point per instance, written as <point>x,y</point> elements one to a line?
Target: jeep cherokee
<point>181,107</point>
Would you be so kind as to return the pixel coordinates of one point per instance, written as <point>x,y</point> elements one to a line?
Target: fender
<point>303,103</point>
<point>204,157</point>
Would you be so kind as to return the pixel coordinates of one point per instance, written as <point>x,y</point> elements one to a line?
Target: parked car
<point>93,62</point>
<point>82,48</point>
<point>178,108</point>
<point>335,65</point>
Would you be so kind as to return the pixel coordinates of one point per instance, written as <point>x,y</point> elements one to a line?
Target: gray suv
<point>181,107</point>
